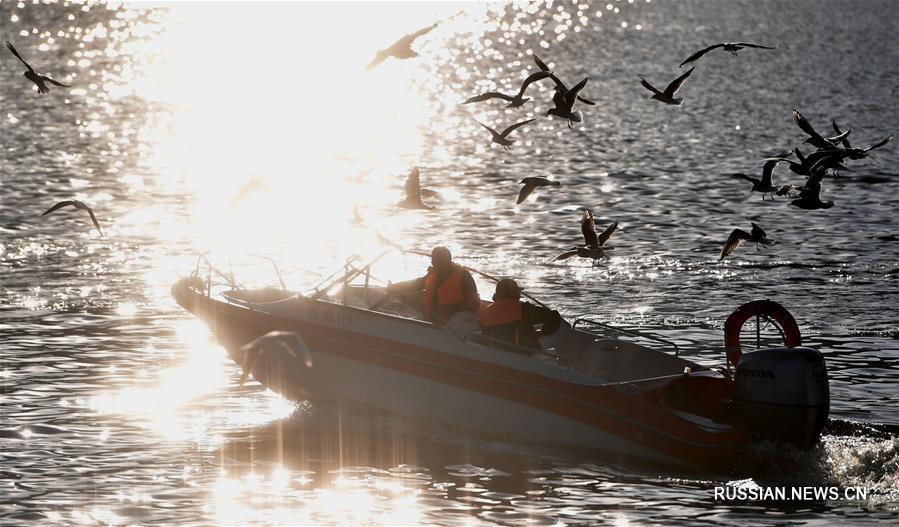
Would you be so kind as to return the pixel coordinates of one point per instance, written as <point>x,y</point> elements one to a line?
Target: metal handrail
<point>626,332</point>
<point>515,348</point>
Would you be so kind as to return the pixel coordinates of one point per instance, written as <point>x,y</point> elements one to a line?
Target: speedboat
<point>590,385</point>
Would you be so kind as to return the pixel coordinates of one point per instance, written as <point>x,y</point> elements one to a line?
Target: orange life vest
<point>443,299</point>
<point>504,320</point>
<point>504,311</point>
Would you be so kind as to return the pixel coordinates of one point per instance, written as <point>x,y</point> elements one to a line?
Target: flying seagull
<point>738,236</point>
<point>287,341</point>
<point>815,139</point>
<point>667,96</point>
<point>78,205</point>
<point>593,247</point>
<point>38,79</point>
<point>502,138</point>
<point>763,185</point>
<point>564,101</point>
<point>810,196</point>
<point>560,86</point>
<point>414,192</point>
<point>730,47</point>
<point>401,49</point>
<point>531,184</point>
<point>516,100</point>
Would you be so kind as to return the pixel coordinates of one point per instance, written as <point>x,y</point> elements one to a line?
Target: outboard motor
<point>782,394</point>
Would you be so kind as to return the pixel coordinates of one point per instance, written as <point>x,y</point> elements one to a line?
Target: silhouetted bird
<point>763,185</point>
<point>356,219</point>
<point>667,96</point>
<point>34,76</point>
<point>564,101</point>
<point>738,236</point>
<point>502,139</point>
<point>254,185</point>
<point>730,47</point>
<point>560,86</point>
<point>815,139</point>
<point>292,343</point>
<point>414,192</point>
<point>810,196</point>
<point>401,49</point>
<point>531,184</point>
<point>514,100</point>
<point>593,243</point>
<point>78,205</point>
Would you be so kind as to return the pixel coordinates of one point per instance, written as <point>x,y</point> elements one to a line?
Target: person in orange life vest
<point>510,320</point>
<point>445,290</point>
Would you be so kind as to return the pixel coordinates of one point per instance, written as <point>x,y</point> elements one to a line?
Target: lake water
<point>118,408</point>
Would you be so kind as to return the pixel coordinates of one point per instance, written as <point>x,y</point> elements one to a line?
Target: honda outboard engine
<point>782,394</point>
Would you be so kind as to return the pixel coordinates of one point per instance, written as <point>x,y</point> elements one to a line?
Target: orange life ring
<point>760,308</point>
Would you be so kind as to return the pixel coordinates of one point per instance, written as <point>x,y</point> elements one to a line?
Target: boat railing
<point>483,340</point>
<point>594,323</point>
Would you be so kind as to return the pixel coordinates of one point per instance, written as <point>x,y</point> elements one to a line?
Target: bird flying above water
<point>287,341</point>
<point>667,96</point>
<point>78,205</point>
<point>531,184</point>
<point>502,138</point>
<point>594,243</point>
<point>815,139</point>
<point>401,49</point>
<point>414,192</point>
<point>730,47</point>
<point>738,236</point>
<point>516,100</point>
<point>38,79</point>
<point>564,101</point>
<point>560,86</point>
<point>763,185</point>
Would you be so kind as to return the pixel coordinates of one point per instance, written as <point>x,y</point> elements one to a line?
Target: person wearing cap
<point>447,288</point>
<point>508,319</point>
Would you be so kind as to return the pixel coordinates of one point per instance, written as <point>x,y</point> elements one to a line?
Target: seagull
<point>414,192</point>
<point>356,219</point>
<point>594,244</point>
<point>730,47</point>
<point>763,185</point>
<point>531,184</point>
<point>516,100</point>
<point>860,153</point>
<point>738,236</point>
<point>565,100</point>
<point>559,85</point>
<point>78,205</point>
<point>256,184</point>
<point>821,160</point>
<point>810,196</point>
<point>501,139</point>
<point>667,96</point>
<point>815,139</point>
<point>401,49</point>
<point>287,341</point>
<point>38,79</point>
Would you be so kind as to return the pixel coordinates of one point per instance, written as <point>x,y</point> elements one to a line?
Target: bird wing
<point>560,86</point>
<point>737,236</point>
<point>566,255</point>
<point>844,140</point>
<point>533,77</point>
<point>94,219</point>
<point>540,64</point>
<point>298,346</point>
<point>806,127</point>
<point>408,39</point>
<point>606,234</point>
<point>51,81</point>
<point>757,233</point>
<point>699,54</point>
<point>767,172</point>
<point>16,53</point>
<point>751,179</point>
<point>677,83</point>
<point>750,45</point>
<point>882,142</point>
<point>491,130</point>
<point>525,191</point>
<point>59,205</point>
<point>588,229</point>
<point>571,95</point>
<point>380,57</point>
<point>586,101</point>
<point>516,126</point>
<point>413,184</point>
<point>649,86</point>
<point>486,96</point>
